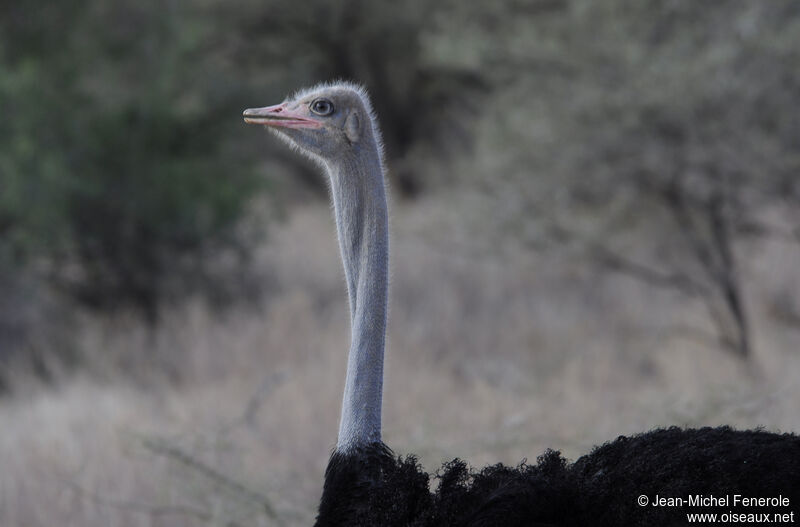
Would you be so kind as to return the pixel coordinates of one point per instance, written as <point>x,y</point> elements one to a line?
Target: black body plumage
<point>369,486</point>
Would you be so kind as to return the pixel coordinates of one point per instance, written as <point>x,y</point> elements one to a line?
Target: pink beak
<point>278,116</point>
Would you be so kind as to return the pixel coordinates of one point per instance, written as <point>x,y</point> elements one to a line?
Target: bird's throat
<point>359,198</point>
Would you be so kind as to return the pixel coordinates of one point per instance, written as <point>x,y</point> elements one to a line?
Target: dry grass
<point>493,356</point>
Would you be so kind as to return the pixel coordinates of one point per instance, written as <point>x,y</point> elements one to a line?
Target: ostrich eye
<point>322,107</point>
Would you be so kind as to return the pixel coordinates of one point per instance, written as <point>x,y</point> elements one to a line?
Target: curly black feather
<point>369,486</point>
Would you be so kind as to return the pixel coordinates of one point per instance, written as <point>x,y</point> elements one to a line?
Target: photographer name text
<point>732,500</point>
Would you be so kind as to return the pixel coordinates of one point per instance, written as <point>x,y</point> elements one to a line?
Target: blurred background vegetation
<point>624,149</point>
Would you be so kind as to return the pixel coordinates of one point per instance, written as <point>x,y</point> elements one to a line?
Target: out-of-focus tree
<point>114,170</point>
<point>670,123</point>
<point>125,170</point>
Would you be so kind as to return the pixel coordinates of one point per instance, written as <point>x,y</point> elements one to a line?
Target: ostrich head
<point>327,122</point>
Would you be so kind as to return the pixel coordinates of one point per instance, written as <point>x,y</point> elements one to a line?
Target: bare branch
<point>616,262</point>
<point>261,394</point>
<point>162,447</point>
<point>726,277</point>
<point>676,201</point>
<point>139,507</point>
<point>675,281</point>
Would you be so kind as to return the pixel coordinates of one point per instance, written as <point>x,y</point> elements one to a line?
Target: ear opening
<point>352,127</point>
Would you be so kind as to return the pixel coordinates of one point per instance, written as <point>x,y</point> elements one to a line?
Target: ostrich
<point>365,484</point>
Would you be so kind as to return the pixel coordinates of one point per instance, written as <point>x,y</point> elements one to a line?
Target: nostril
<point>278,110</point>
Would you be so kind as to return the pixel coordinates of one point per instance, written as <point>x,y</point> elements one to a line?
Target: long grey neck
<point>359,199</point>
